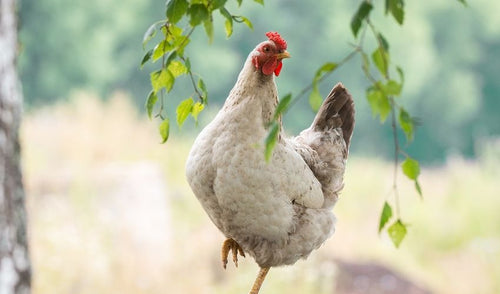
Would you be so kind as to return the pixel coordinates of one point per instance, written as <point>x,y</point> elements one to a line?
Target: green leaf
<point>150,103</point>
<point>209,29</point>
<point>396,7</point>
<point>197,108</point>
<point>379,103</point>
<point>380,58</point>
<point>183,110</point>
<point>228,25</point>
<point>160,50</point>
<point>315,98</point>
<point>177,68</point>
<point>325,68</point>
<point>406,123</point>
<point>239,2</point>
<point>401,75</point>
<point>175,38</point>
<point>174,32</point>
<point>463,2</point>
<point>224,12</point>
<point>383,41</point>
<point>203,88</point>
<point>171,57</point>
<point>164,130</point>
<point>154,76</point>
<point>397,232</point>
<point>201,85</point>
<point>176,10</point>
<point>392,88</point>
<point>418,188</point>
<point>181,43</point>
<point>271,139</point>
<point>216,4</point>
<point>149,34</point>
<point>247,22</point>
<point>282,105</point>
<point>242,19</point>
<point>229,21</point>
<point>146,57</point>
<point>168,80</point>
<point>162,79</point>
<point>260,2</point>
<point>411,168</point>
<point>358,18</point>
<point>198,13</point>
<point>385,216</point>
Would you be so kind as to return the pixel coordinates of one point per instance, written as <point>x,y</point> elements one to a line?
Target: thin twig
<point>187,37</point>
<point>162,92</point>
<point>380,44</point>
<point>397,148</point>
<point>357,49</point>
<point>190,73</point>
<point>311,85</point>
<point>396,153</point>
<point>191,76</point>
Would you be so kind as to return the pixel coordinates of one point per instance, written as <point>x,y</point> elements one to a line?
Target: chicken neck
<point>253,95</point>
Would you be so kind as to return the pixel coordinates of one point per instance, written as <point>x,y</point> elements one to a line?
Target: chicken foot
<point>231,245</point>
<point>260,279</point>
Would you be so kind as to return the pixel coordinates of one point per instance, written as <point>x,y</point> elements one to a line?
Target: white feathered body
<point>278,211</point>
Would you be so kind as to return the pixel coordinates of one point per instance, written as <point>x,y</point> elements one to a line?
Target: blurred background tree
<point>15,265</point>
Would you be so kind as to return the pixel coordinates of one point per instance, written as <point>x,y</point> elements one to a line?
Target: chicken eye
<point>266,49</point>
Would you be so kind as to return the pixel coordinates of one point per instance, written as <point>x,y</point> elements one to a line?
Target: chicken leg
<point>260,279</point>
<point>231,245</point>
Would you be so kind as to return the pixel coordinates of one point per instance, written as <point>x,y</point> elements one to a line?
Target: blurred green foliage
<point>449,55</point>
<point>92,45</point>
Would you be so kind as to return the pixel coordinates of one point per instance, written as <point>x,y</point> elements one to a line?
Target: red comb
<point>276,38</point>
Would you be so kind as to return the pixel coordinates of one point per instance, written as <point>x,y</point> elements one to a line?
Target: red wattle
<point>278,68</point>
<point>269,67</point>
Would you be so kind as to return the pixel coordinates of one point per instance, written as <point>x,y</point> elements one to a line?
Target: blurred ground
<point>110,212</point>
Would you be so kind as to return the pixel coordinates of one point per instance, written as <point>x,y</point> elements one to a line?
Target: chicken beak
<point>283,55</point>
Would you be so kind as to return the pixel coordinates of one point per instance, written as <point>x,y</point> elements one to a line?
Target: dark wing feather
<point>336,111</point>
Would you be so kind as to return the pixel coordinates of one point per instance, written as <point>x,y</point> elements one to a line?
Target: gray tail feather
<point>336,111</point>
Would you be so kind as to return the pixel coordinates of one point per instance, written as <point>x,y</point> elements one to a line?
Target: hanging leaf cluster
<point>172,36</point>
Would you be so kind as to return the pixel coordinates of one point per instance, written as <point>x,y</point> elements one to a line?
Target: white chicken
<point>277,211</point>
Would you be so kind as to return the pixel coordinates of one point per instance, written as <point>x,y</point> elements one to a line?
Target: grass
<point>110,212</point>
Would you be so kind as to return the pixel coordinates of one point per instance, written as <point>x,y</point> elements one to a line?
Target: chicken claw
<point>231,245</point>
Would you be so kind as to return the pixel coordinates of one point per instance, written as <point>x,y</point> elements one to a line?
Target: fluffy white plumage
<point>277,211</point>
